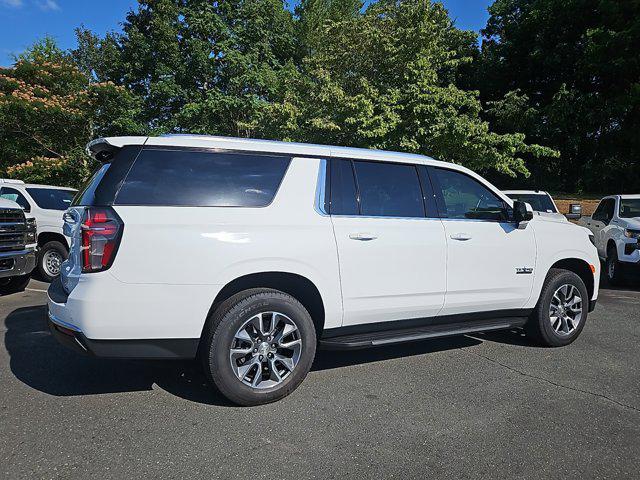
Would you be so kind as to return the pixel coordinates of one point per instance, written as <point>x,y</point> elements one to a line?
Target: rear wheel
<point>613,269</point>
<point>50,258</point>
<point>14,284</point>
<point>561,312</point>
<point>258,346</point>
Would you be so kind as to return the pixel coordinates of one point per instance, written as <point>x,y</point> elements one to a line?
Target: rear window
<point>198,178</point>
<point>51,198</point>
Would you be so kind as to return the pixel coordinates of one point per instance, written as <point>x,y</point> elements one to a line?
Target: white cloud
<point>11,3</point>
<point>48,5</point>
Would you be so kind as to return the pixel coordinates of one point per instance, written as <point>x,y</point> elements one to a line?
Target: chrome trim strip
<point>62,323</point>
<point>16,253</point>
<point>321,188</point>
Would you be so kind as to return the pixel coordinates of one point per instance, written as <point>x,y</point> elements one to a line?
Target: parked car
<point>248,254</point>
<point>540,201</point>
<point>46,203</point>
<point>615,224</point>
<point>17,247</point>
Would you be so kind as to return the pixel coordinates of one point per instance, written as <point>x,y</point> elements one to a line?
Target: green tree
<point>386,79</point>
<point>49,110</point>
<point>576,64</point>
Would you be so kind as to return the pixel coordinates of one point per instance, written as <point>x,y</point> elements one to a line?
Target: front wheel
<point>561,312</point>
<point>613,268</point>
<point>258,346</point>
<point>50,258</point>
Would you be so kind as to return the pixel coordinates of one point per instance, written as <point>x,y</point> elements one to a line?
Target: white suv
<point>616,227</point>
<point>46,204</point>
<point>248,254</point>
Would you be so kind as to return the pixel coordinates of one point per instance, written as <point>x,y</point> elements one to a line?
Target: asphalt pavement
<point>484,406</point>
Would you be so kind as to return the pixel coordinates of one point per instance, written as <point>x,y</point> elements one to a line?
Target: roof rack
<point>11,180</point>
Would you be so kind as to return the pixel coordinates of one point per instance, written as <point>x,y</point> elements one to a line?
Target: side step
<point>401,335</point>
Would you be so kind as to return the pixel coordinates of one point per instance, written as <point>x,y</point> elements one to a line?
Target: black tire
<point>613,268</point>
<point>221,329</point>
<point>52,246</point>
<point>539,327</point>
<point>14,284</point>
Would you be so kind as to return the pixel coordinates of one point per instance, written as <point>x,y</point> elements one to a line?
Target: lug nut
<point>271,355</point>
<point>261,357</point>
<point>255,350</point>
<point>273,345</point>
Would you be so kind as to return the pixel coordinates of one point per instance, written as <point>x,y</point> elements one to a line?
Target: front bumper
<point>13,264</point>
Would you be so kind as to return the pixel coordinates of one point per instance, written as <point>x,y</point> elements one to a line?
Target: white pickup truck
<point>616,228</point>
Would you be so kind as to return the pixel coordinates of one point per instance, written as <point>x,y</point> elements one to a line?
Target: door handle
<point>461,236</point>
<point>362,236</point>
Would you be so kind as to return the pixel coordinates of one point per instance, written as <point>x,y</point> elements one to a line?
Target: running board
<point>390,337</point>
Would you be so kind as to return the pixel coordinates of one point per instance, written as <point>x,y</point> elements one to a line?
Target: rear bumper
<point>13,264</point>
<point>67,330</point>
<point>161,349</point>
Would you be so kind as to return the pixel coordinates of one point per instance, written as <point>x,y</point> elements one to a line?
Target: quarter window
<point>206,179</point>
<point>463,197</point>
<point>389,189</point>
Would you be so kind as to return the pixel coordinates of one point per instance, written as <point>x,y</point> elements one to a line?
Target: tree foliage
<point>567,73</point>
<point>385,74</point>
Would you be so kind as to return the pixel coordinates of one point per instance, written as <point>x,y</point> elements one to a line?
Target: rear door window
<point>343,189</point>
<point>201,178</point>
<point>389,189</point>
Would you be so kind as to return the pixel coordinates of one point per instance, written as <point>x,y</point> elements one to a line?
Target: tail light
<point>101,233</point>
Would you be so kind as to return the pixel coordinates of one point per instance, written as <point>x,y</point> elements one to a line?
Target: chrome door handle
<point>362,236</point>
<point>461,236</point>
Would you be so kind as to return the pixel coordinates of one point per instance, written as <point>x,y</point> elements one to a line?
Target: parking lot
<point>487,406</point>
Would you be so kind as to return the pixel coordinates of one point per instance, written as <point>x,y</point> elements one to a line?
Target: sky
<point>24,21</point>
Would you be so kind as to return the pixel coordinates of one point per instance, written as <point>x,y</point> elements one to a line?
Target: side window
<point>14,195</point>
<point>201,178</point>
<point>609,209</point>
<point>343,189</point>
<point>598,214</point>
<point>464,197</point>
<point>389,189</point>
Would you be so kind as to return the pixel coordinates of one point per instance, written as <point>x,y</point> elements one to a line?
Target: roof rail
<point>11,180</point>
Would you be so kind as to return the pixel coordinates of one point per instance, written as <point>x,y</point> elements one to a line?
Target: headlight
<point>30,235</point>
<point>631,233</point>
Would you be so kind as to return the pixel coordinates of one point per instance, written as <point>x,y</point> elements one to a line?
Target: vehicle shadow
<point>37,360</point>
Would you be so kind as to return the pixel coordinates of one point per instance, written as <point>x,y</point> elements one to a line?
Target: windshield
<point>629,207</point>
<point>51,198</point>
<point>540,202</point>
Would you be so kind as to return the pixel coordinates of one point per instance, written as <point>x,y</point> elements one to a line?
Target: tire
<point>14,284</point>
<point>613,268</point>
<point>49,254</point>
<point>541,327</point>
<point>232,325</point>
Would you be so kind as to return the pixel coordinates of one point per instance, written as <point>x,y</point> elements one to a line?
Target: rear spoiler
<point>105,149</point>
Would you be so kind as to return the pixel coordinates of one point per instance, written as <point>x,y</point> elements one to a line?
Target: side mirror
<point>575,211</point>
<point>522,212</point>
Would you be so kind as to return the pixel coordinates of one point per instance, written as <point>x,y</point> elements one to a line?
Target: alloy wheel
<point>565,311</point>
<point>265,350</point>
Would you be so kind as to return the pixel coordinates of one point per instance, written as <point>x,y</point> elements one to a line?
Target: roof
<point>272,146</point>
<point>20,183</point>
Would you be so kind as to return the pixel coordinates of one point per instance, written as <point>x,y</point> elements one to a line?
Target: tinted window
<point>598,214</point>
<point>629,207</point>
<point>51,198</point>
<point>609,209</point>
<point>465,197</point>
<point>15,196</point>
<point>343,189</point>
<point>192,178</point>
<point>539,202</point>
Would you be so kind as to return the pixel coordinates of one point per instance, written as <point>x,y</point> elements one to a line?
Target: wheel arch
<point>298,286</point>
<point>45,237</point>
<point>581,268</point>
